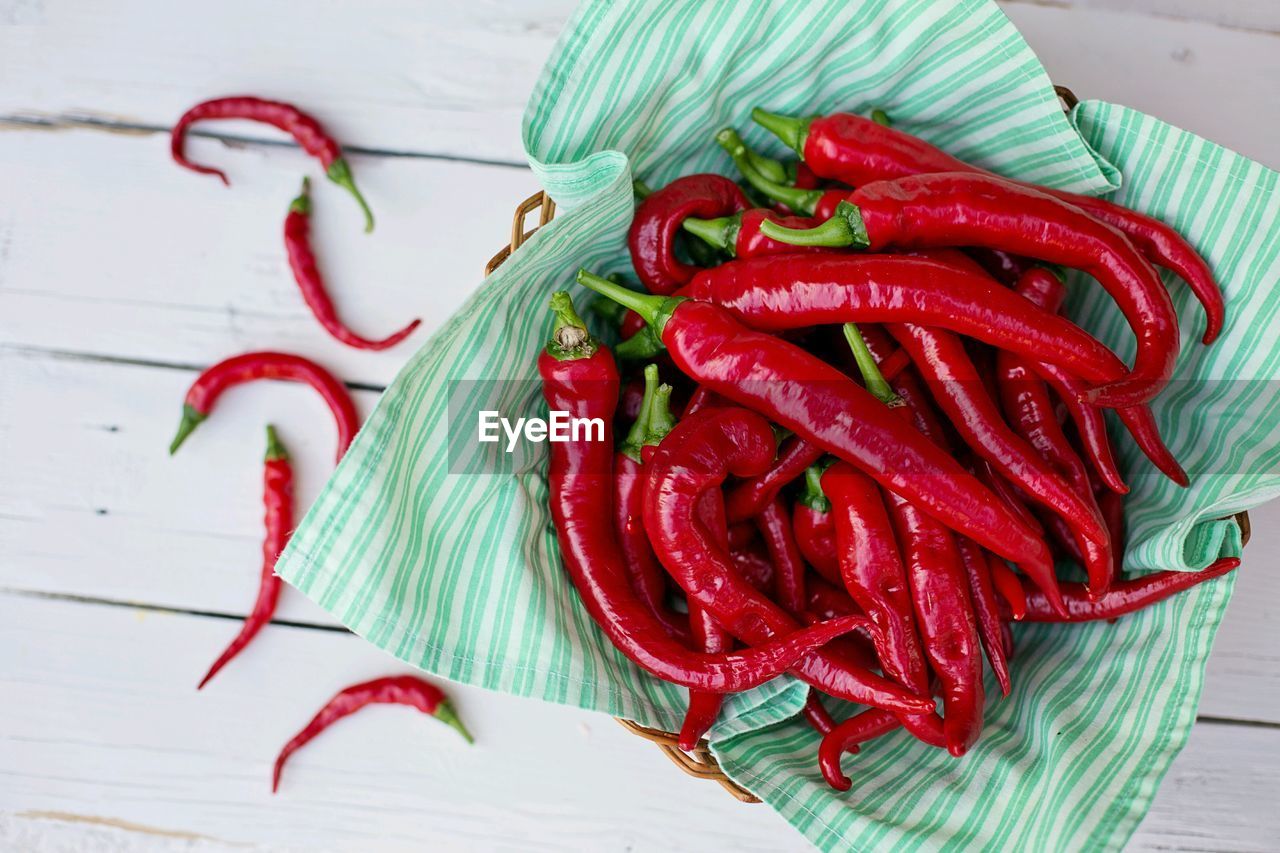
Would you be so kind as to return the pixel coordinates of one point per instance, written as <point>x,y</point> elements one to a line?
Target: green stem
<point>769,168</point>
<point>302,202</point>
<point>661,420</point>
<point>444,713</point>
<point>340,173</point>
<point>640,429</point>
<point>655,310</point>
<point>870,370</point>
<point>641,346</point>
<point>881,117</point>
<point>813,496</point>
<point>792,131</point>
<point>721,232</point>
<point>191,419</point>
<point>801,201</point>
<point>845,228</point>
<point>275,450</point>
<point>641,189</point>
<point>569,336</point>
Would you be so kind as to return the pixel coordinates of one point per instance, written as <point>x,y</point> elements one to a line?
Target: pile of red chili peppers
<point>889,440</point>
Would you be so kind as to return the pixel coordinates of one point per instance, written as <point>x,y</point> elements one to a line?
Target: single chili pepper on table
<point>782,292</point>
<point>580,378</point>
<point>658,219</point>
<point>938,586</point>
<point>1126,595</point>
<point>818,403</point>
<point>954,383</point>
<point>210,385</point>
<point>851,149</point>
<point>814,527</point>
<point>302,261</point>
<point>392,690</point>
<point>701,452</point>
<point>305,130</point>
<point>958,209</point>
<point>277,498</point>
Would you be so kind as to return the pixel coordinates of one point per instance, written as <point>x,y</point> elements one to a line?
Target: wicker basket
<point>700,763</point>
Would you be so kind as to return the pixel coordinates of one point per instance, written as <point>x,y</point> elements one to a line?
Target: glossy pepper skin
<point>394,690</point>
<point>747,498</point>
<point>779,293</point>
<point>305,130</point>
<point>986,609</point>
<point>739,235</point>
<point>820,404</point>
<point>1125,595</point>
<point>868,725</point>
<point>302,262</point>
<point>210,385</point>
<point>277,499</point>
<point>814,527</point>
<point>658,220</point>
<point>580,378</point>
<point>859,151</point>
<point>779,540</point>
<point>701,452</point>
<point>959,209</point>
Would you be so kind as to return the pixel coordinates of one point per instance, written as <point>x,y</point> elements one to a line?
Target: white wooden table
<point>123,572</point>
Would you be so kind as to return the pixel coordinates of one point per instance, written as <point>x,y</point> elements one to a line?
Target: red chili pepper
<point>1125,596</point>
<point>1112,506</point>
<point>658,219</point>
<point>708,634</point>
<point>701,452</point>
<point>647,577</point>
<point>986,608</point>
<point>748,498</point>
<point>739,235</point>
<point>297,243</point>
<point>580,378</point>
<point>814,528</point>
<point>818,403</point>
<point>1009,587</point>
<point>305,130</point>
<point>868,725</point>
<point>277,498</point>
<point>857,151</point>
<point>959,209</point>
<point>816,715</point>
<point>953,380</point>
<point>209,386</point>
<point>783,292</point>
<point>392,690</point>
<point>775,529</point>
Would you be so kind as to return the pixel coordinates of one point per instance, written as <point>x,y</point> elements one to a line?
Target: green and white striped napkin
<point>457,572</point>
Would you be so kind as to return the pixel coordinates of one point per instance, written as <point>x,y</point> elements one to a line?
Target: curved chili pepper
<point>960,209</point>
<point>701,452</point>
<point>277,498</point>
<point>1029,409</point>
<point>708,634</point>
<point>658,219</point>
<point>580,378</point>
<point>813,527</point>
<point>302,261</point>
<point>816,714</point>
<point>954,382</point>
<point>1125,596</point>
<point>1009,587</point>
<point>305,130</point>
<point>392,690</point>
<point>739,235</point>
<point>209,386</point>
<point>648,580</point>
<point>938,587</point>
<point>857,151</point>
<point>775,530</point>
<point>783,292</point>
<point>749,497</point>
<point>1011,497</point>
<point>818,403</point>
<point>846,737</point>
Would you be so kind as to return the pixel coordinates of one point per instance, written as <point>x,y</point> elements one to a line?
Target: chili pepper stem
<point>769,168</point>
<point>569,336</point>
<point>640,429</point>
<point>340,173</point>
<point>792,131</point>
<point>661,420</point>
<point>721,232</point>
<point>803,201</point>
<point>445,713</point>
<point>813,496</point>
<point>641,346</point>
<point>654,309</point>
<point>641,189</point>
<point>191,419</point>
<point>870,370</point>
<point>845,228</point>
<point>302,202</point>
<point>881,118</point>
<point>275,449</point>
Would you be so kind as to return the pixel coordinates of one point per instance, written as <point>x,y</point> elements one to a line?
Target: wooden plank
<point>107,248</point>
<point>87,738</point>
<point>99,510</point>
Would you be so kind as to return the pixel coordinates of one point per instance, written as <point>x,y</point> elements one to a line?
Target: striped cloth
<point>445,557</point>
